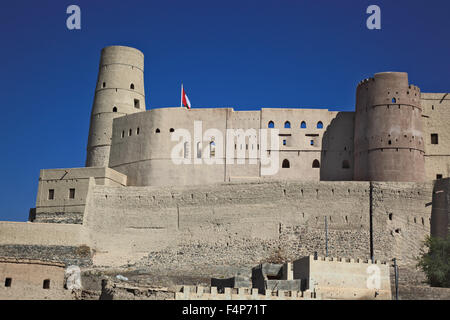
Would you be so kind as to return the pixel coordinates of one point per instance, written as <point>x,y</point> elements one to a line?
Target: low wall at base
<point>45,241</point>
<point>210,293</point>
<point>27,233</point>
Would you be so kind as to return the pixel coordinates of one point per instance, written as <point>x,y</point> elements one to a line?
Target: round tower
<point>119,91</point>
<point>389,143</point>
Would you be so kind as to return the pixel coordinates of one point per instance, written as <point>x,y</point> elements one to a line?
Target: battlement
<point>414,87</point>
<point>211,293</point>
<point>365,81</point>
<point>346,260</point>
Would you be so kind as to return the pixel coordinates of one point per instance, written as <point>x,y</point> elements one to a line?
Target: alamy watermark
<point>374,278</point>
<point>73,21</point>
<point>234,146</point>
<point>374,20</point>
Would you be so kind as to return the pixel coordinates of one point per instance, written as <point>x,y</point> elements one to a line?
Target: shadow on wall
<point>336,159</point>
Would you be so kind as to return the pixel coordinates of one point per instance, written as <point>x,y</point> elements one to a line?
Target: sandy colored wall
<point>27,277</point>
<point>436,118</point>
<point>120,83</point>
<point>216,229</point>
<point>145,155</point>
<point>344,278</point>
<point>401,219</point>
<point>199,228</point>
<point>62,208</point>
<point>229,221</point>
<point>27,233</point>
<point>65,243</point>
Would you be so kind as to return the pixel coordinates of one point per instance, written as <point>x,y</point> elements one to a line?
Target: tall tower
<point>389,143</point>
<point>120,91</point>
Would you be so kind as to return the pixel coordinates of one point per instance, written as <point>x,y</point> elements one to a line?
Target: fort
<point>368,174</point>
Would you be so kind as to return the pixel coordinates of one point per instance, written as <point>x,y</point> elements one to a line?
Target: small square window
<point>434,138</point>
<point>439,176</point>
<point>136,103</point>
<point>46,284</point>
<point>71,193</point>
<point>8,282</point>
<point>51,194</point>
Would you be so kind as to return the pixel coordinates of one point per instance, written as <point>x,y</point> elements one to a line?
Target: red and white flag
<point>184,99</point>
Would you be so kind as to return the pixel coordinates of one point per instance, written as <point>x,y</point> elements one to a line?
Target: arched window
<point>115,109</point>
<point>394,100</point>
<point>285,164</point>
<point>303,125</point>
<point>287,125</point>
<point>319,125</point>
<point>157,130</point>
<point>316,164</point>
<point>345,164</point>
<point>130,132</point>
<point>172,130</point>
<point>132,86</point>
<point>137,131</point>
<point>123,134</point>
<point>271,124</point>
<point>103,84</point>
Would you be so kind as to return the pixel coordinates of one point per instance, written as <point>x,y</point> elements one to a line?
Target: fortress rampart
<point>232,224</point>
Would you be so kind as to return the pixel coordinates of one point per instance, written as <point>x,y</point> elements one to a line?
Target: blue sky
<point>241,54</point>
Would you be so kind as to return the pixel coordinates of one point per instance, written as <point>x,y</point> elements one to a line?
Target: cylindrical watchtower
<point>389,143</point>
<point>120,91</point>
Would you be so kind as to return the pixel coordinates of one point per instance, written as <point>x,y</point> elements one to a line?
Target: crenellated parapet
<point>211,293</point>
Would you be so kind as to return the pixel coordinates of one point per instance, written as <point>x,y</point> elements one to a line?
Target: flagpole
<point>181,102</point>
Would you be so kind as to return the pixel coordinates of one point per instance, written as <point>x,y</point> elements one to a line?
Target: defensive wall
<point>45,241</point>
<point>200,228</point>
<point>211,230</point>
